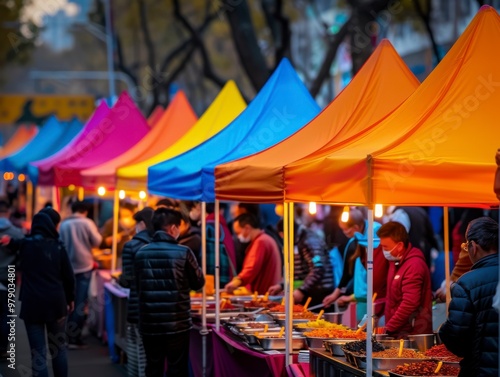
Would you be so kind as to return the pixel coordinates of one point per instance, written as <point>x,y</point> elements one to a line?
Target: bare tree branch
<point>279,26</point>
<point>120,61</point>
<point>333,46</point>
<point>245,41</point>
<point>207,65</point>
<point>150,49</point>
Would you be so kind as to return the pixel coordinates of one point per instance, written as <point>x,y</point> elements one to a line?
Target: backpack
<point>227,269</point>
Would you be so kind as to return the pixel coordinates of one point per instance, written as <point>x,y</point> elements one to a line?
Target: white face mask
<point>389,256</point>
<point>243,239</point>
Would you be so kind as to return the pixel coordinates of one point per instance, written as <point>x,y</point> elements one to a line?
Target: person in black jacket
<point>311,266</point>
<point>47,293</point>
<point>471,330</point>
<point>143,233</point>
<point>165,273</point>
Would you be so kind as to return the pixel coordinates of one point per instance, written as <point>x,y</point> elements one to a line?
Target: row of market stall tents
<point>384,139</point>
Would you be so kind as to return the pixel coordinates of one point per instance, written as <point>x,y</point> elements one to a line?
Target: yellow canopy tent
<point>226,106</point>
<point>381,85</point>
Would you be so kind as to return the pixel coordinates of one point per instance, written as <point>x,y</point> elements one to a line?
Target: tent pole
<point>217,266</point>
<point>114,242</point>
<point>369,270</point>
<point>446,241</point>
<point>369,294</point>
<point>29,199</point>
<point>290,299</point>
<point>81,193</point>
<point>288,313</point>
<point>204,331</point>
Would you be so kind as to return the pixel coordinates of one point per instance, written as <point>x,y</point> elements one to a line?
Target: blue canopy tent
<point>53,135</point>
<point>281,108</point>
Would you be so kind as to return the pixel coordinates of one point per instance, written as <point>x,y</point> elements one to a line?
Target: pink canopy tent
<point>176,120</point>
<point>108,134</point>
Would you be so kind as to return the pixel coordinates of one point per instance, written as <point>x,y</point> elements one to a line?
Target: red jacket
<point>408,308</point>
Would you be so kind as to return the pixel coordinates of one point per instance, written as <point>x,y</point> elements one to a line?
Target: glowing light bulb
<point>142,195</point>
<point>21,177</point>
<point>379,210</point>
<point>121,194</point>
<point>101,191</point>
<point>312,208</point>
<point>345,215</point>
<point>71,187</point>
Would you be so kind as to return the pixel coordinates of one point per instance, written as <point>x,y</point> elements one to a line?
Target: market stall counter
<point>233,358</point>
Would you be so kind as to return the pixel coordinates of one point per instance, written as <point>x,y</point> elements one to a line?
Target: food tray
<point>385,363</point>
<point>298,343</point>
<point>282,316</point>
<point>243,324</point>
<point>392,374</point>
<point>250,330</point>
<point>334,346</point>
<point>315,342</point>
<point>282,322</point>
<point>394,343</point>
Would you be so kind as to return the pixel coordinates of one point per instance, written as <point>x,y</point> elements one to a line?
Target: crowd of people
<point>160,253</point>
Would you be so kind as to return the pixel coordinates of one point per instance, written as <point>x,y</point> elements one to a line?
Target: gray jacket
<point>79,235</point>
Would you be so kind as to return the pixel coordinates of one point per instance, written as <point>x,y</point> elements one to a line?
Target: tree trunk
<point>426,17</point>
<point>333,46</point>
<point>280,28</point>
<point>245,41</point>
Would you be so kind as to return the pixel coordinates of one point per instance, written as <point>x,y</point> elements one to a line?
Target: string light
<point>312,208</point>
<point>379,210</point>
<point>142,195</point>
<point>101,191</point>
<point>345,215</point>
<point>21,177</point>
<point>121,194</point>
<point>71,187</point>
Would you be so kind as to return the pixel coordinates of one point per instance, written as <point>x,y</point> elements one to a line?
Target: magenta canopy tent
<point>108,133</point>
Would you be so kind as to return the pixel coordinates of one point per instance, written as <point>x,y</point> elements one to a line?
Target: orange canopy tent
<point>226,106</point>
<point>175,121</point>
<point>435,149</point>
<point>381,85</point>
<point>155,116</point>
<point>21,137</point>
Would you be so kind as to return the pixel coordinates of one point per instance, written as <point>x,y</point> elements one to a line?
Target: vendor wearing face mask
<point>262,263</point>
<point>408,308</point>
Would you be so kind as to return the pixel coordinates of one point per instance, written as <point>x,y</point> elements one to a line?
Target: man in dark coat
<point>165,273</point>
<point>471,330</point>
<point>143,232</point>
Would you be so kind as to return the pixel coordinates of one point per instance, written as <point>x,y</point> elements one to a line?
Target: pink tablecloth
<point>232,358</point>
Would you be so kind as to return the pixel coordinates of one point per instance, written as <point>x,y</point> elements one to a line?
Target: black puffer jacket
<point>471,330</point>
<point>315,256</point>
<point>165,273</point>
<point>127,279</point>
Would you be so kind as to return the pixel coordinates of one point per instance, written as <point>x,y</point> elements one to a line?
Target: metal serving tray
<point>298,343</point>
<point>251,330</point>
<point>392,374</point>
<point>395,343</point>
<point>243,324</point>
<point>334,346</point>
<point>385,363</point>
